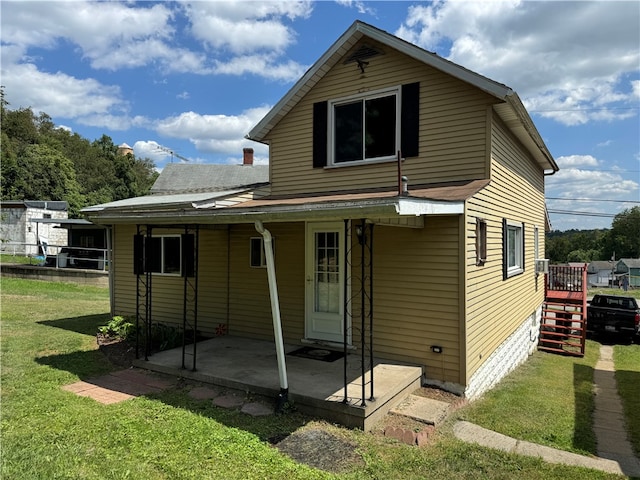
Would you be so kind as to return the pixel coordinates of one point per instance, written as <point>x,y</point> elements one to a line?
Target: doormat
<point>315,353</point>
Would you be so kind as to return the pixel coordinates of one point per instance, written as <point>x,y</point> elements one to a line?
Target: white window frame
<point>516,247</point>
<point>395,91</point>
<point>162,256</point>
<point>258,242</point>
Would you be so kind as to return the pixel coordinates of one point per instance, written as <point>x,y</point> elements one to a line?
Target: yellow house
<point>404,209</point>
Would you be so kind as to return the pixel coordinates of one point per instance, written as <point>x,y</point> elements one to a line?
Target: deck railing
<point>59,256</point>
<point>565,279</point>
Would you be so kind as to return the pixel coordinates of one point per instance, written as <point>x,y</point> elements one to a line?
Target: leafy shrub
<point>119,327</point>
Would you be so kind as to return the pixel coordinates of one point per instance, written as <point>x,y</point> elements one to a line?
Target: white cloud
<point>262,65</point>
<point>360,6</point>
<point>577,161</point>
<point>243,27</point>
<point>214,133</point>
<point>100,29</point>
<point>59,94</point>
<point>567,60</point>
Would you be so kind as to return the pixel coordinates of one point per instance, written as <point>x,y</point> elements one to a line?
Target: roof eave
<point>391,207</point>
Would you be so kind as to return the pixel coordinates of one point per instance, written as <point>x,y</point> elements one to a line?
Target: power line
<point>591,200</point>
<point>582,214</point>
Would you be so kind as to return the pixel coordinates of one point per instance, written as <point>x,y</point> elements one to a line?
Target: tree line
<point>622,240</point>
<point>40,161</point>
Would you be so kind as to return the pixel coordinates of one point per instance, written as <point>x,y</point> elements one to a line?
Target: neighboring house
<point>631,268</point>
<point>600,273</point>
<point>432,256</point>
<point>22,233</point>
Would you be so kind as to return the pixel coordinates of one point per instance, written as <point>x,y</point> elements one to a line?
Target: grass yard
<point>548,400</point>
<point>48,340</point>
<point>632,292</point>
<point>627,362</point>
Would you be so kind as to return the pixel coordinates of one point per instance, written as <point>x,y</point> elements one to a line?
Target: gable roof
<point>197,178</point>
<point>511,111</point>
<point>630,262</point>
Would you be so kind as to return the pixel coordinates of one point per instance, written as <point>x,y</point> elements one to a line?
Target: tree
<point>624,237</point>
<point>44,173</point>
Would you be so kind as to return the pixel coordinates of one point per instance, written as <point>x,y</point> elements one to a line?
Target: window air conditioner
<point>542,265</point>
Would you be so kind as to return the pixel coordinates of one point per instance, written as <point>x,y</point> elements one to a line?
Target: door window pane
<point>327,274</point>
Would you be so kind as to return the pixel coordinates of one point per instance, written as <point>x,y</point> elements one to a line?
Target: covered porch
<point>316,386</point>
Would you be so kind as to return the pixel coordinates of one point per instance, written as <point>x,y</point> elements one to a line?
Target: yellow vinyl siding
<point>124,285</point>
<point>416,296</point>
<point>453,126</point>
<point>496,307</point>
<point>250,306</point>
<point>168,290</point>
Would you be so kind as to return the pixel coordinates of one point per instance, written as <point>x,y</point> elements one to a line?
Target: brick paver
<point>119,386</point>
<point>126,384</point>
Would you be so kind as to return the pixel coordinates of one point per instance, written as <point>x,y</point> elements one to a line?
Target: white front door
<point>325,275</point>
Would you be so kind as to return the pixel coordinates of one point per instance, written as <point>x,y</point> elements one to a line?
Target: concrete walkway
<point>615,453</point>
<point>608,417</point>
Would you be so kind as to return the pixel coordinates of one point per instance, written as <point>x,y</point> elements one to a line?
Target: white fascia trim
<point>413,206</point>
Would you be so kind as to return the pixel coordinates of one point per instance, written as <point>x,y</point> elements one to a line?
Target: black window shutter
<point>320,134</point>
<point>410,120</point>
<point>188,255</point>
<point>138,254</point>
<point>505,253</point>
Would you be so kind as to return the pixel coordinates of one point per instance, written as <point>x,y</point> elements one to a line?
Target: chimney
<point>247,156</point>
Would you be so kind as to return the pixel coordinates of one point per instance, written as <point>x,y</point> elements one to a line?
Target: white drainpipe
<point>275,312</point>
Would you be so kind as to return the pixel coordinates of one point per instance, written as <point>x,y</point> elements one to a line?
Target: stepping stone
<point>257,409</point>
<point>228,401</point>
<point>204,393</point>
<point>426,410</point>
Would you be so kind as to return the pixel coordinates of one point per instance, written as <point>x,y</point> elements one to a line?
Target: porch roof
<point>433,199</point>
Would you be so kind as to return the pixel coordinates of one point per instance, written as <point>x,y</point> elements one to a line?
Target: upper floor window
<point>365,128</point>
<point>368,127</point>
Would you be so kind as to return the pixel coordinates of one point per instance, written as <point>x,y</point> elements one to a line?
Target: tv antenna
<point>171,152</point>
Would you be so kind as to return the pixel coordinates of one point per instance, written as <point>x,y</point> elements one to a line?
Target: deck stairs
<point>563,327</point>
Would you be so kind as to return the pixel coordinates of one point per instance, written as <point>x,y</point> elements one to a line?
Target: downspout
<point>283,396</point>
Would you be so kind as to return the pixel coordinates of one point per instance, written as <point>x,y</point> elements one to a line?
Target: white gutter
<point>275,313</point>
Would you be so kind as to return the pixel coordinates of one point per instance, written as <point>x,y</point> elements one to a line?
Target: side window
<point>512,248</point>
<point>481,241</point>
<point>257,257</point>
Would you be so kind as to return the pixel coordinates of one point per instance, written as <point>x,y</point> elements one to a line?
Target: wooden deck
<point>563,327</point>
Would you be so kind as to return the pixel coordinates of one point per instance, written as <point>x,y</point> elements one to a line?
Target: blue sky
<point>195,77</point>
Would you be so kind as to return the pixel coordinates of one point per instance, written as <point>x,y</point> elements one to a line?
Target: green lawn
<point>632,292</point>
<point>627,362</point>
<point>548,400</point>
<point>48,340</point>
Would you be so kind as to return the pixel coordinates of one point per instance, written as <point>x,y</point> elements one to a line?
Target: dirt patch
<point>320,449</point>
<point>118,351</point>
